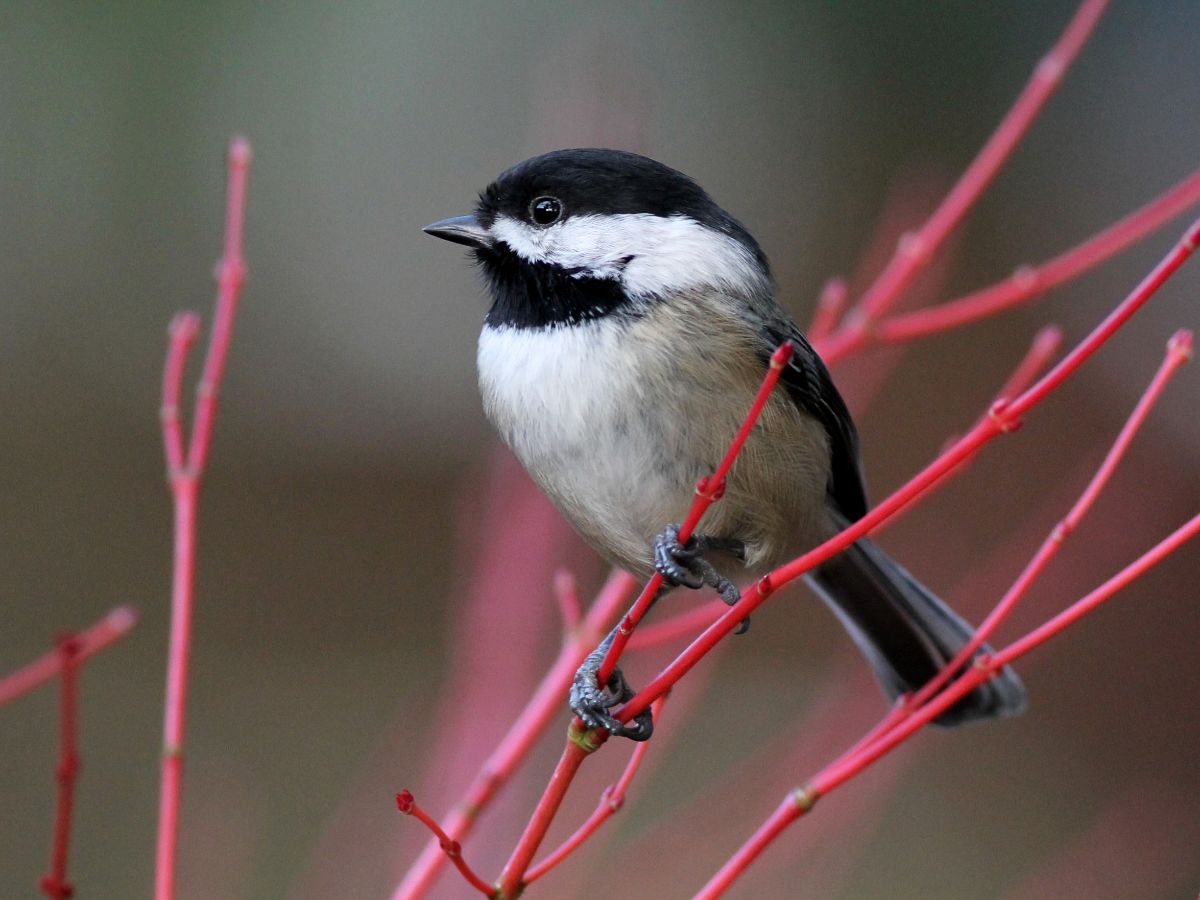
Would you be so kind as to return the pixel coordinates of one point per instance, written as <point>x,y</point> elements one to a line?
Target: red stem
<point>579,746</point>
<point>113,626</point>
<point>915,250</point>
<point>611,800</point>
<point>708,491</point>
<point>1043,348</point>
<point>1134,570</point>
<point>1002,417</point>
<point>499,767</point>
<point>1045,344</point>
<point>55,883</point>
<point>852,763</point>
<point>184,476</point>
<point>1179,350</point>
<point>567,594</point>
<point>450,847</point>
<point>1032,281</point>
<point>794,805</point>
<point>181,334</point>
<point>830,305</point>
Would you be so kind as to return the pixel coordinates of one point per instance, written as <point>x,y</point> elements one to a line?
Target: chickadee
<point>632,320</point>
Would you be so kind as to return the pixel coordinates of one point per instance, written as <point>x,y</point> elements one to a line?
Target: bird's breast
<point>617,418</point>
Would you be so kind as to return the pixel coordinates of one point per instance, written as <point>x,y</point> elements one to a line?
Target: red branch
<point>954,681</point>
<point>580,743</point>
<point>611,800</point>
<point>915,249</point>
<point>184,475</point>
<point>708,491</point>
<point>1044,345</point>
<point>1003,417</point>
<point>1028,282</point>
<point>55,883</point>
<point>533,720</point>
<point>801,800</point>
<point>453,850</point>
<point>830,305</point>
<point>113,626</point>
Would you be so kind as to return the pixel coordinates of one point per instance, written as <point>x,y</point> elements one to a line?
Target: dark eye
<point>545,210</point>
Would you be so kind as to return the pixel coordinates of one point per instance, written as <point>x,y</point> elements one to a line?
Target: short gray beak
<point>461,230</point>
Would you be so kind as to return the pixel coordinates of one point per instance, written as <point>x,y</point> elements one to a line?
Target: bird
<point>631,322</point>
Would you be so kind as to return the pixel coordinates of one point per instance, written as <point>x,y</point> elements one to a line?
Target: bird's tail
<point>906,632</point>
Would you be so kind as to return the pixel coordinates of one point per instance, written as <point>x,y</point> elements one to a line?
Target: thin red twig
<point>55,883</point>
<point>453,850</point>
<point>915,249</point>
<point>1179,351</point>
<point>112,627</point>
<point>567,594</point>
<point>611,800</point>
<point>546,702</point>
<point>801,800</point>
<point>708,491</point>
<point>1028,282</point>
<point>1044,346</point>
<point>1003,417</point>
<point>184,475</point>
<point>866,750</point>
<point>830,305</point>
<point>580,744</point>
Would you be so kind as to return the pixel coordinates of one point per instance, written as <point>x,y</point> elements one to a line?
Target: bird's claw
<point>591,702</point>
<point>681,564</point>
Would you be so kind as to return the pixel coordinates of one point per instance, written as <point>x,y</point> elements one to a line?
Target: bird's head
<point>576,235</point>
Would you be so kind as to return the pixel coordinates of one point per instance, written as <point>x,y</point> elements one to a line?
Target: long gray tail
<point>906,632</point>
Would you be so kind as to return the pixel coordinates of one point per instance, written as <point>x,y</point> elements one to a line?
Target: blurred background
<point>354,487</point>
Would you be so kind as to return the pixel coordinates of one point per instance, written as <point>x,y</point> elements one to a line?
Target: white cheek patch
<point>649,254</point>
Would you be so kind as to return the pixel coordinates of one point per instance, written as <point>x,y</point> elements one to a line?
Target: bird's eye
<point>545,210</point>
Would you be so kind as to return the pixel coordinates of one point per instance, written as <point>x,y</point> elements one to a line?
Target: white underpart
<point>615,425</point>
<point>669,253</point>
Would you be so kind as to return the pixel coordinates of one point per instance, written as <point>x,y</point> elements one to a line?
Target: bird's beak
<point>462,230</point>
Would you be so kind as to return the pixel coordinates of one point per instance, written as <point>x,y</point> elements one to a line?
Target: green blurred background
<point>337,536</point>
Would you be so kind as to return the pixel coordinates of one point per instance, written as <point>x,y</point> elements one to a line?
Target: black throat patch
<point>538,295</point>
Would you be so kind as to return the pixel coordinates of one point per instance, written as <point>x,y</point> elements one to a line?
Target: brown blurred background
<point>350,448</point>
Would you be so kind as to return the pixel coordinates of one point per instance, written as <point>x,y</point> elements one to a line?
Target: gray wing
<point>811,388</point>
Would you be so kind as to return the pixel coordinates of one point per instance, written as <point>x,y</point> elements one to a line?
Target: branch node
<point>586,739</point>
<point>231,272</point>
<point>614,800</point>
<point>998,413</point>
<point>1050,69</point>
<point>1024,277</point>
<point>912,245</point>
<point>804,798</point>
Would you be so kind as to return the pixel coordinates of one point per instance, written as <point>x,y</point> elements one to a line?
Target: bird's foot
<point>592,703</point>
<point>683,564</point>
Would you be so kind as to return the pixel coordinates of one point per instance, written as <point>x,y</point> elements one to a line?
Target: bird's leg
<point>591,702</point>
<point>684,564</point>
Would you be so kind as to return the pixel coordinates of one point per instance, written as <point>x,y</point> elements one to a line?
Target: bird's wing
<point>811,388</point>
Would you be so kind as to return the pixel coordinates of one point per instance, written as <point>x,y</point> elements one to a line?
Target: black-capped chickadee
<point>632,320</point>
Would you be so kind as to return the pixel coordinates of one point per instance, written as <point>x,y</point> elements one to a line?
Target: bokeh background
<point>354,486</point>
